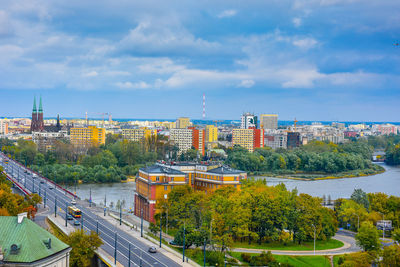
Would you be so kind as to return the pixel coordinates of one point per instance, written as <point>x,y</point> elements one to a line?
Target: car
<point>152,249</point>
<point>50,187</point>
<point>173,243</point>
<point>77,223</point>
<point>34,176</point>
<point>41,181</point>
<point>25,171</point>
<point>73,202</point>
<point>69,217</point>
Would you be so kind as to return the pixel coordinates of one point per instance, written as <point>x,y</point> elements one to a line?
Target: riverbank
<point>303,176</point>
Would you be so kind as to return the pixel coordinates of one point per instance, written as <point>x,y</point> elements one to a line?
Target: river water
<point>387,182</point>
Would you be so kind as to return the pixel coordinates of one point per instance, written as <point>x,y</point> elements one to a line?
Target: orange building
<point>155,182</point>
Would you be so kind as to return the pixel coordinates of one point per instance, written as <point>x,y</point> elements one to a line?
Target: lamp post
<point>90,197</point>
<point>129,254</point>
<point>115,248</point>
<point>141,222</point>
<point>120,213</point>
<point>55,206</point>
<point>105,205</point>
<point>160,228</point>
<point>314,237</point>
<point>358,221</point>
<point>66,212</point>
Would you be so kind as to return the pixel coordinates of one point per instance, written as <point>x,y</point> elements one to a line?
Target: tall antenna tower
<point>204,106</point>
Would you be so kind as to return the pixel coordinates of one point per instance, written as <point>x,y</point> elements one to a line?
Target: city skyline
<point>311,60</point>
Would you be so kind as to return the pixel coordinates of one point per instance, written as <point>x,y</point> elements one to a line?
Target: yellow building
<point>155,182</point>
<point>211,133</point>
<point>248,138</point>
<point>138,135</point>
<point>88,136</point>
<point>183,122</point>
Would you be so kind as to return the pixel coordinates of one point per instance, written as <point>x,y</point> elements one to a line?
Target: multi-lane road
<point>115,240</point>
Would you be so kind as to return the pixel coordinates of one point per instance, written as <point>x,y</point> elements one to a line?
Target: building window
<point>235,178</point>
<point>172,187</point>
<point>166,187</point>
<point>172,179</point>
<point>235,185</point>
<point>157,178</point>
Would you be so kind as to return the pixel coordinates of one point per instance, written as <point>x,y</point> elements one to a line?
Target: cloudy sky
<point>309,59</point>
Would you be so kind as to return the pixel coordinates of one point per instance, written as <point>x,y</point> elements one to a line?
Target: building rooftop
<point>225,170</point>
<point>161,169</point>
<point>26,242</point>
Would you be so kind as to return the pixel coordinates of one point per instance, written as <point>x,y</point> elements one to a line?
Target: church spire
<point>34,105</point>
<point>40,105</point>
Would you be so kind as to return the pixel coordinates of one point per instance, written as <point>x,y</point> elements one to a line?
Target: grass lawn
<point>319,245</point>
<point>298,261</point>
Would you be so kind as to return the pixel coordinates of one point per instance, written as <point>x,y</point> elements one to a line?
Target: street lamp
<point>314,236</point>
<point>358,220</point>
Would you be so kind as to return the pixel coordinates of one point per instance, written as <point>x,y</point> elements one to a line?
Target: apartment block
<point>138,135</point>
<point>211,134</point>
<point>182,122</point>
<point>3,126</point>
<point>88,136</point>
<point>248,138</point>
<point>185,139</point>
<point>269,121</point>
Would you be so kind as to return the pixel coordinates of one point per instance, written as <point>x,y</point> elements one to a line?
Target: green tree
<point>360,197</point>
<point>396,234</point>
<point>83,246</point>
<point>390,256</point>
<point>368,237</point>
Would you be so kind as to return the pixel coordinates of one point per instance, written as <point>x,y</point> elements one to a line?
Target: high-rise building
<point>156,182</point>
<point>185,139</point>
<point>293,140</point>
<point>3,126</point>
<point>182,122</point>
<point>88,136</point>
<point>248,121</point>
<point>248,138</point>
<point>37,123</point>
<point>137,135</point>
<point>269,121</point>
<point>211,133</point>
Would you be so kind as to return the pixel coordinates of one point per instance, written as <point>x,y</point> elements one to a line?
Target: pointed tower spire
<point>34,105</point>
<point>40,105</point>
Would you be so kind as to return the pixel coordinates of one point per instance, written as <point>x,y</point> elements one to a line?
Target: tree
<point>360,197</point>
<point>368,237</point>
<point>396,234</point>
<point>359,259</point>
<point>391,256</point>
<point>83,247</point>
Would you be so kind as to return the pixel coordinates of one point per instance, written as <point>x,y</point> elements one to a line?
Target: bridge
<point>123,247</point>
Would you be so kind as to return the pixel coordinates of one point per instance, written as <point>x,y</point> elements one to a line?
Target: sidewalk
<point>59,222</point>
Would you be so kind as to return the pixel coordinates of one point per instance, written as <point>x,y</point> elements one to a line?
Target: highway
<point>111,235</point>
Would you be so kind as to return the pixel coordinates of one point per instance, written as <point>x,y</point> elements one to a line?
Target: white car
<point>73,202</point>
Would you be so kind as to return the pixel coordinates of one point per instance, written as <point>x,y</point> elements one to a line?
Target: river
<point>387,182</point>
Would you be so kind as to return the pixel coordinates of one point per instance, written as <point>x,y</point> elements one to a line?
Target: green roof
<point>30,239</point>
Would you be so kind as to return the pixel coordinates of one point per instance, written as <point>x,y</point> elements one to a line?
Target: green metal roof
<point>34,105</point>
<point>40,105</point>
<point>30,238</point>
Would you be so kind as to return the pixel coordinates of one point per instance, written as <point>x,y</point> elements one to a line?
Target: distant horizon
<point>206,120</point>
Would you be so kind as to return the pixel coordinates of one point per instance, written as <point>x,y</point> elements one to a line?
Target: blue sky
<point>309,59</point>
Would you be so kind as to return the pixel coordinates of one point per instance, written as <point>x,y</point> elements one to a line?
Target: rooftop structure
<point>23,242</point>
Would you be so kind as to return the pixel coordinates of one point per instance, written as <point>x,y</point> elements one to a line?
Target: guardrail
<point>48,180</point>
<point>17,185</point>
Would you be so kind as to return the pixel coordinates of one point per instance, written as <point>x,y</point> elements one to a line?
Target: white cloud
<point>90,74</point>
<point>246,83</point>
<point>227,13</point>
<point>154,38</point>
<point>305,43</point>
<point>297,22</point>
<point>136,85</point>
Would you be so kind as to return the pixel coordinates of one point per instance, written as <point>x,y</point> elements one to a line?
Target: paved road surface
<point>110,233</point>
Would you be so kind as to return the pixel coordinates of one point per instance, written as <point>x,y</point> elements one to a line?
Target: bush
<point>246,257</point>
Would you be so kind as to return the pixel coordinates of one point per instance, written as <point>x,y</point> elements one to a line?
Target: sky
<point>316,60</point>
